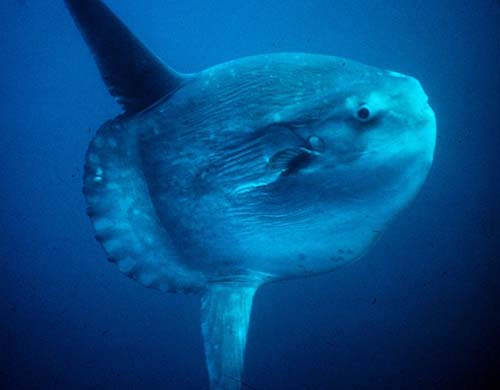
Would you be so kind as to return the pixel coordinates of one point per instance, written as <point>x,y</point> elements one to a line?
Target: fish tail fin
<point>225,315</point>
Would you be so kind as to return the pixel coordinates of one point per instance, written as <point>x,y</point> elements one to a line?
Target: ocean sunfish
<point>257,170</point>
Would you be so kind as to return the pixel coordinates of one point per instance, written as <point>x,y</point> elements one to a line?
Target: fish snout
<point>421,117</point>
<point>412,102</point>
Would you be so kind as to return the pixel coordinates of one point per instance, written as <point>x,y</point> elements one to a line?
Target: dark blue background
<point>422,309</point>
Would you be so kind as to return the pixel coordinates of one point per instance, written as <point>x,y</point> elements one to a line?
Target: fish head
<point>373,132</point>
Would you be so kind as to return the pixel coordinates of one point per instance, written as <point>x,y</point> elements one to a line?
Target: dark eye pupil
<point>363,113</point>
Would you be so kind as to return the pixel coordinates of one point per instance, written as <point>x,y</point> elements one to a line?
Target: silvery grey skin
<point>256,170</point>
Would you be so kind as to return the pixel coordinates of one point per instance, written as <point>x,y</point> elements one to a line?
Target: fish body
<point>208,156</point>
<point>260,169</point>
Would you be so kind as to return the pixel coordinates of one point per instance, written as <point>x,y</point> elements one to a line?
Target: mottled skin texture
<point>205,154</point>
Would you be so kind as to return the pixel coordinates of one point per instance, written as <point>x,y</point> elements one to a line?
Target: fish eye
<point>364,114</point>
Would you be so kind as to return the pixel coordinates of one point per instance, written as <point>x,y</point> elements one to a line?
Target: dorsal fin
<point>133,75</point>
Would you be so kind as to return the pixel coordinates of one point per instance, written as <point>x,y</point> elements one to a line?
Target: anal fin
<point>225,315</point>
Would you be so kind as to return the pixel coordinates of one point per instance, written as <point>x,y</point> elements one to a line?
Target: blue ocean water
<point>421,310</point>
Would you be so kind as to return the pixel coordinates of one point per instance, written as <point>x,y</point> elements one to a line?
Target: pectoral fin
<point>290,160</point>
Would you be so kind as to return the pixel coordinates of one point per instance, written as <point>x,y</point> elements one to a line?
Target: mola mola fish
<point>257,170</point>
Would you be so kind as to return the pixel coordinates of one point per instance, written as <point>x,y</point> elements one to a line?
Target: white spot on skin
<point>102,224</point>
<point>113,245</point>
<point>126,265</point>
<point>146,279</point>
<point>98,174</point>
<point>396,74</point>
<point>93,158</point>
<point>317,143</point>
